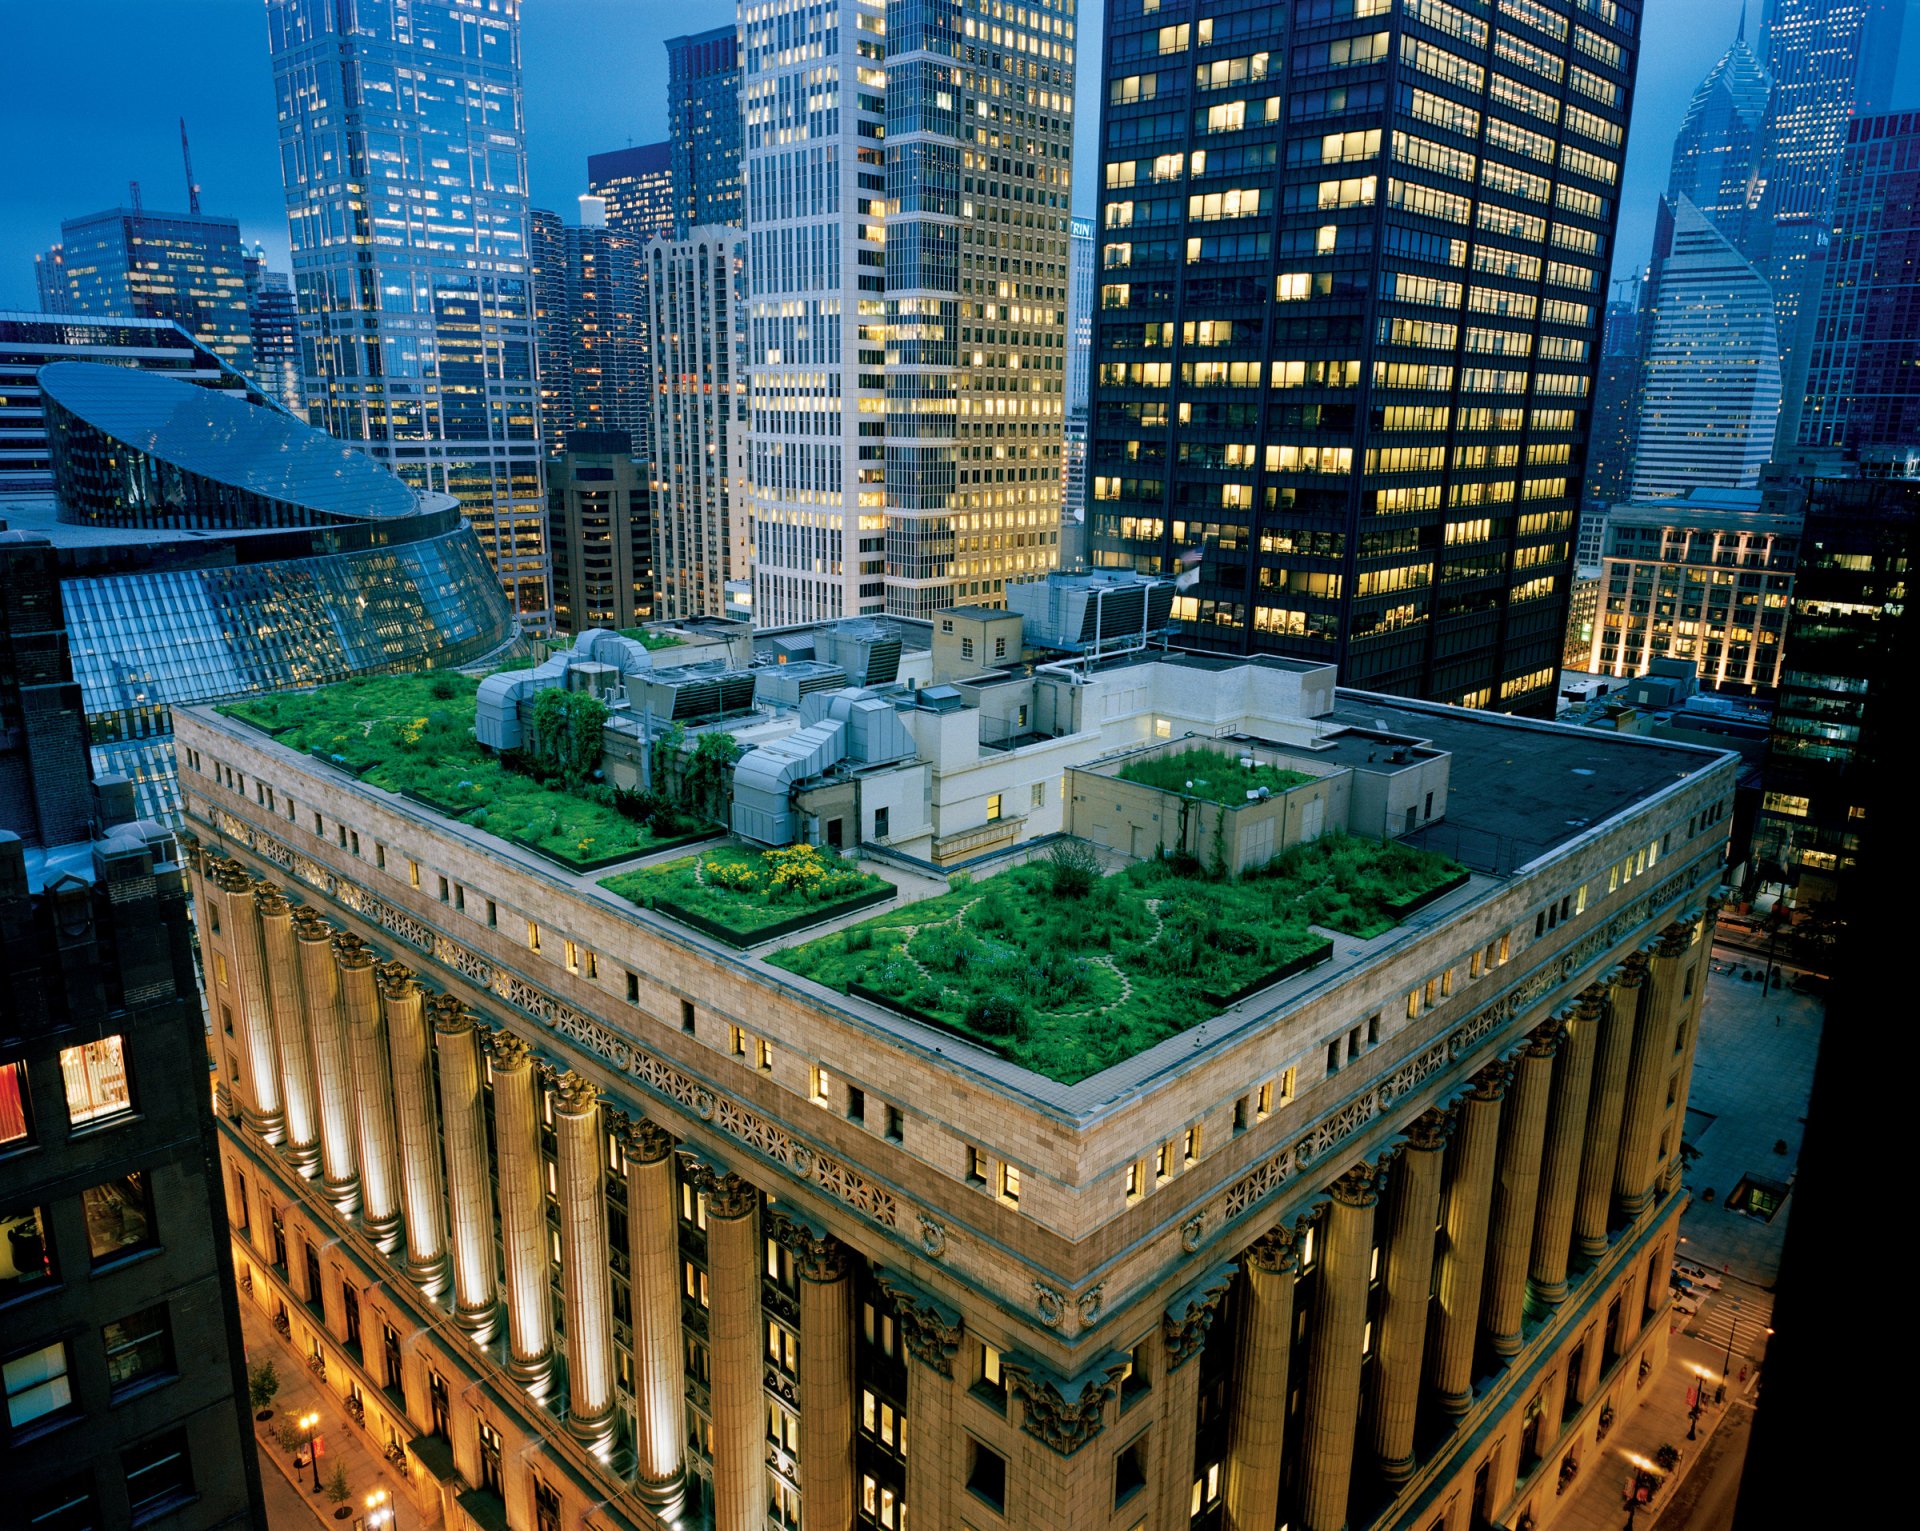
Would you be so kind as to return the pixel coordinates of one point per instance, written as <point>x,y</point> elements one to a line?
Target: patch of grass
<point>414,734</point>
<point>1215,777</point>
<point>652,642</point>
<point>745,891</point>
<point>1068,983</point>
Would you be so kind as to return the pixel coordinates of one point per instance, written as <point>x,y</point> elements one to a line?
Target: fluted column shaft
<point>1332,1407</point>
<point>422,1188</point>
<point>1257,1412</point>
<point>288,1007</point>
<point>1606,1109</point>
<point>1516,1191</point>
<point>476,1293</point>
<point>659,1367</point>
<point>1401,1325</point>
<point>262,1108</point>
<point>332,1062</point>
<point>523,1221</point>
<point>735,1340</point>
<point>1560,1163</point>
<point>1646,1084</point>
<point>372,1087</point>
<point>826,1382</point>
<point>935,1445</point>
<point>586,1277</point>
<point>1468,1201</point>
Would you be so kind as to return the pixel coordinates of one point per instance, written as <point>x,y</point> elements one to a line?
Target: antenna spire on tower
<point>186,157</point>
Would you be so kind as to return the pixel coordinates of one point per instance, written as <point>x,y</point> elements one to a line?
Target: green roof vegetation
<point>743,895</point>
<point>1210,775</point>
<point>650,641</point>
<point>1066,972</point>
<point>413,734</point>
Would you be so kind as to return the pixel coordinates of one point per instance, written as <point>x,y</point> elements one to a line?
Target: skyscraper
<point>979,141</point>
<point>600,527</point>
<point>410,263</point>
<point>1616,408</point>
<point>590,296</point>
<point>135,264</point>
<point>552,327</point>
<point>274,322</point>
<point>1710,389</point>
<point>1346,338</point>
<point>697,288</point>
<point>1719,152</point>
<point>636,183</point>
<point>815,177</point>
<point>1079,366</point>
<point>703,125</point>
<point>1862,390</point>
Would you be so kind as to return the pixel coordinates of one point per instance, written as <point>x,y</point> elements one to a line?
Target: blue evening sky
<point>91,90</point>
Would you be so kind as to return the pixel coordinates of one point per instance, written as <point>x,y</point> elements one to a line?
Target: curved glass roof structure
<point>131,446</point>
<point>210,548</point>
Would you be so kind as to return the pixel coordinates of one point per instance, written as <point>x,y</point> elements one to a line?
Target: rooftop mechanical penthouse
<point>1297,1177</point>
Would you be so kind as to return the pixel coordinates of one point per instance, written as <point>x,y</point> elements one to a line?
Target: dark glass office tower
<point>636,183</point>
<point>703,125</point>
<point>1353,261</point>
<point>1862,389</point>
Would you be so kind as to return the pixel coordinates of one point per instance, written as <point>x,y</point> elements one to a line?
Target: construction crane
<point>186,156</point>
<point>133,190</point>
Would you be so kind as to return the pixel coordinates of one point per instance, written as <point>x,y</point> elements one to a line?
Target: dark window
<point>856,1103</point>
<point>350,1313</point>
<point>64,1506</point>
<point>836,835</point>
<point>1130,1471</point>
<point>987,1474</point>
<point>120,1217</point>
<point>390,1357</point>
<point>633,988</point>
<point>881,823</point>
<point>139,1348</point>
<point>896,1124</point>
<point>686,1015</point>
<point>278,1235</point>
<point>437,1402</point>
<point>316,1293</point>
<point>489,1457</point>
<point>159,1474</point>
<point>546,1508</point>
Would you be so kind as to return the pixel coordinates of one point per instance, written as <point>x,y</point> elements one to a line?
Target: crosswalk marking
<point>1743,1320</point>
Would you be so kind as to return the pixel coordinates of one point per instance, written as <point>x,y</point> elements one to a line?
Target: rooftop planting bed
<point>1210,775</point>
<point>1066,972</point>
<point>741,895</point>
<point>650,641</point>
<point>413,734</point>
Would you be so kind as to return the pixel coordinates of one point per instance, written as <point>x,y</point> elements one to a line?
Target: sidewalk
<point>1655,1416</point>
<point>341,1440</point>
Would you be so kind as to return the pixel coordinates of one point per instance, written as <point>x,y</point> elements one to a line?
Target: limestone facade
<point>627,1230</point>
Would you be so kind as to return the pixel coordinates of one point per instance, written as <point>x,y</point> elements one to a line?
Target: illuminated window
<point>37,1385</point>
<point>96,1080</point>
<point>1010,1185</point>
<point>822,1090</point>
<point>13,1104</point>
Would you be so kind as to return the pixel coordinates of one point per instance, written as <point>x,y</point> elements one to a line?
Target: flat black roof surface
<point>1518,787</point>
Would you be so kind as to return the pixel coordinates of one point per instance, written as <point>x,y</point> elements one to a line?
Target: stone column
<point>826,1373</point>
<point>422,1190</point>
<point>659,1364</point>
<point>288,1007</point>
<point>523,1216</point>
<point>1605,1110</point>
<point>1401,1324</point>
<point>586,1278</point>
<point>372,1087</point>
<point>1560,1164</point>
<point>1332,1407</point>
<point>1647,1082</point>
<point>1257,1404</point>
<point>476,1291</point>
<point>932,1334</point>
<point>1516,1190</point>
<point>1463,1246</point>
<point>332,1062</point>
<point>736,1338</point>
<point>262,1110</point>
<point>1183,1335</point>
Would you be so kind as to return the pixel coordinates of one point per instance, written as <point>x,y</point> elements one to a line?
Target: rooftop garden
<point>650,641</point>
<point>1208,774</point>
<point>741,895</point>
<point>413,734</point>
<point>1066,972</point>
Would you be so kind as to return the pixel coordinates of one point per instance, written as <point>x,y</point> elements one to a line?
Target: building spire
<point>1740,33</point>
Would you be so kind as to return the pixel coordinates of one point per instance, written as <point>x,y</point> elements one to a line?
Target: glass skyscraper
<point>402,149</point>
<point>636,183</point>
<point>1352,261</point>
<point>703,125</point>
<point>132,264</point>
<point>590,296</point>
<point>275,322</point>
<point>1718,152</point>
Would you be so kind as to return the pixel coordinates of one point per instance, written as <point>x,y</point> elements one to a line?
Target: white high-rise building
<point>1712,381</point>
<point>697,298</point>
<point>813,95</point>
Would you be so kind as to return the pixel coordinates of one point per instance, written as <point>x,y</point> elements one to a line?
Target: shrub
<point>263,1383</point>
<point>337,1487</point>
<point>859,939</point>
<point>565,739</point>
<point>995,1012</point>
<point>945,948</point>
<point>443,689</point>
<point>1073,867</point>
<point>290,1436</point>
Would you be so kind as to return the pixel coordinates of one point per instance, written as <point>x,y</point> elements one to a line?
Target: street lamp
<point>308,1423</point>
<point>1733,1327</point>
<point>1695,1401</point>
<point>378,1514</point>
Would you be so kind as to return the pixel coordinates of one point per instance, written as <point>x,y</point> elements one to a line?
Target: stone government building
<point>594,1221</point>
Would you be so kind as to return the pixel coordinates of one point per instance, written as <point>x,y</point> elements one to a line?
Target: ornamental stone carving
<point>729,1195</point>
<point>1064,1417</point>
<point>575,1094</point>
<point>450,1017</point>
<point>1431,1129</point>
<point>1358,1187</point>
<point>647,1142</point>
<point>1184,1325</point>
<point>228,875</point>
<point>309,924</point>
<point>1091,1304</point>
<point>510,1052</point>
<point>269,900</point>
<point>930,1328</point>
<point>1545,1042</point>
<point>817,1254</point>
<point>1049,1304</point>
<point>1674,941</point>
<point>1191,1231</point>
<point>396,979</point>
<point>1491,1082</point>
<point>350,951</point>
<point>1276,1251</point>
<point>933,1237</point>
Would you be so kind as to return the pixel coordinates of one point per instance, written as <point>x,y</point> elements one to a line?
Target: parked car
<point>1687,1302</point>
<point>1698,1275</point>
